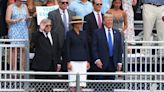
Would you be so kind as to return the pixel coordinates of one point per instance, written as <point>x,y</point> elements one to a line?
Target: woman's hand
<point>16,20</point>
<point>28,18</point>
<point>69,66</point>
<point>121,30</point>
<point>88,66</point>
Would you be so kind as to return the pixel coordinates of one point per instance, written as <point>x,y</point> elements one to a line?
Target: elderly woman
<point>45,42</point>
<point>17,17</point>
<point>77,52</point>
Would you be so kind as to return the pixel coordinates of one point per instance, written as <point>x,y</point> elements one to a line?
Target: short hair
<point>60,0</point>
<point>44,21</point>
<point>93,1</point>
<point>107,15</point>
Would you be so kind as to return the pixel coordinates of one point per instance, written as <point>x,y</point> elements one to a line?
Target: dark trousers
<point>111,68</point>
<point>106,87</point>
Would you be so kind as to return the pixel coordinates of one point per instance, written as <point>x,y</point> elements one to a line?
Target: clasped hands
<point>21,19</point>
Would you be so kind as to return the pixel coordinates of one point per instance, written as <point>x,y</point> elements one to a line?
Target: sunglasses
<point>48,26</point>
<point>64,2</point>
<point>99,4</point>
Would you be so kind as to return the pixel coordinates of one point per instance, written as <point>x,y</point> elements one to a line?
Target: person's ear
<point>42,26</point>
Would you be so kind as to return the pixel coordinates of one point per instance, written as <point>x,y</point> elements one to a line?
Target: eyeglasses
<point>48,26</point>
<point>64,2</point>
<point>99,4</point>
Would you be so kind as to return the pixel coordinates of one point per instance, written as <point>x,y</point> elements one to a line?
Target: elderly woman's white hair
<point>45,21</point>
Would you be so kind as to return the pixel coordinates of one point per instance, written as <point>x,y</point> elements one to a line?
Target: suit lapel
<point>46,39</point>
<point>94,19</point>
<point>102,18</point>
<point>69,14</point>
<point>70,17</point>
<point>114,38</point>
<point>59,17</point>
<point>105,38</point>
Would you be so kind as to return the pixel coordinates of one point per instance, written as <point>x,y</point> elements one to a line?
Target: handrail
<point>9,40</point>
<point>144,41</point>
<point>88,73</point>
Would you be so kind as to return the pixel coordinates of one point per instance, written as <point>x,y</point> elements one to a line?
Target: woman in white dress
<point>127,7</point>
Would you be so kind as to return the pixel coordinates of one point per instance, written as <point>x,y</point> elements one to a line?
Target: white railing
<point>13,57</point>
<point>13,54</point>
<point>145,56</point>
<point>143,71</point>
<point>60,85</point>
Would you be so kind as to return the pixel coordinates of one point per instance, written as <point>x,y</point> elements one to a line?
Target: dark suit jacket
<point>58,25</point>
<point>3,25</point>
<point>90,25</point>
<point>100,48</point>
<point>76,46</point>
<point>46,55</point>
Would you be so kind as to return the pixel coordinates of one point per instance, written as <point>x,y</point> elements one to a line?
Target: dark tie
<point>48,38</point>
<point>110,45</point>
<point>99,20</point>
<point>65,21</point>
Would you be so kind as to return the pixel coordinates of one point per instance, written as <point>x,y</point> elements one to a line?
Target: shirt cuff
<point>97,61</point>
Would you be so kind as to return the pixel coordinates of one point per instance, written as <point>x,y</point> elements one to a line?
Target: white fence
<point>59,85</point>
<point>144,57</point>
<point>147,58</point>
<point>14,56</point>
<point>142,72</point>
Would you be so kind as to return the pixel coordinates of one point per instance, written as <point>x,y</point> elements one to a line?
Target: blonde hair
<point>106,15</point>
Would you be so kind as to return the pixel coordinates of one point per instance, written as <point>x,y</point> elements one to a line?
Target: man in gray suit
<point>60,20</point>
<point>60,23</point>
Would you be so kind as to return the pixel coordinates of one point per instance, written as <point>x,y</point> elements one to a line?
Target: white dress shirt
<point>111,33</point>
<point>48,35</point>
<point>95,13</point>
<point>67,16</point>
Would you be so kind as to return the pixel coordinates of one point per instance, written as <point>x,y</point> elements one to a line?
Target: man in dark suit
<point>107,48</point>
<point>46,50</point>
<point>93,22</point>
<point>60,22</point>
<point>3,25</point>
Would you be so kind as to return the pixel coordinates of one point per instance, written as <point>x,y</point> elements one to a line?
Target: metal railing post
<point>125,62</point>
<point>27,66</point>
<point>77,82</point>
